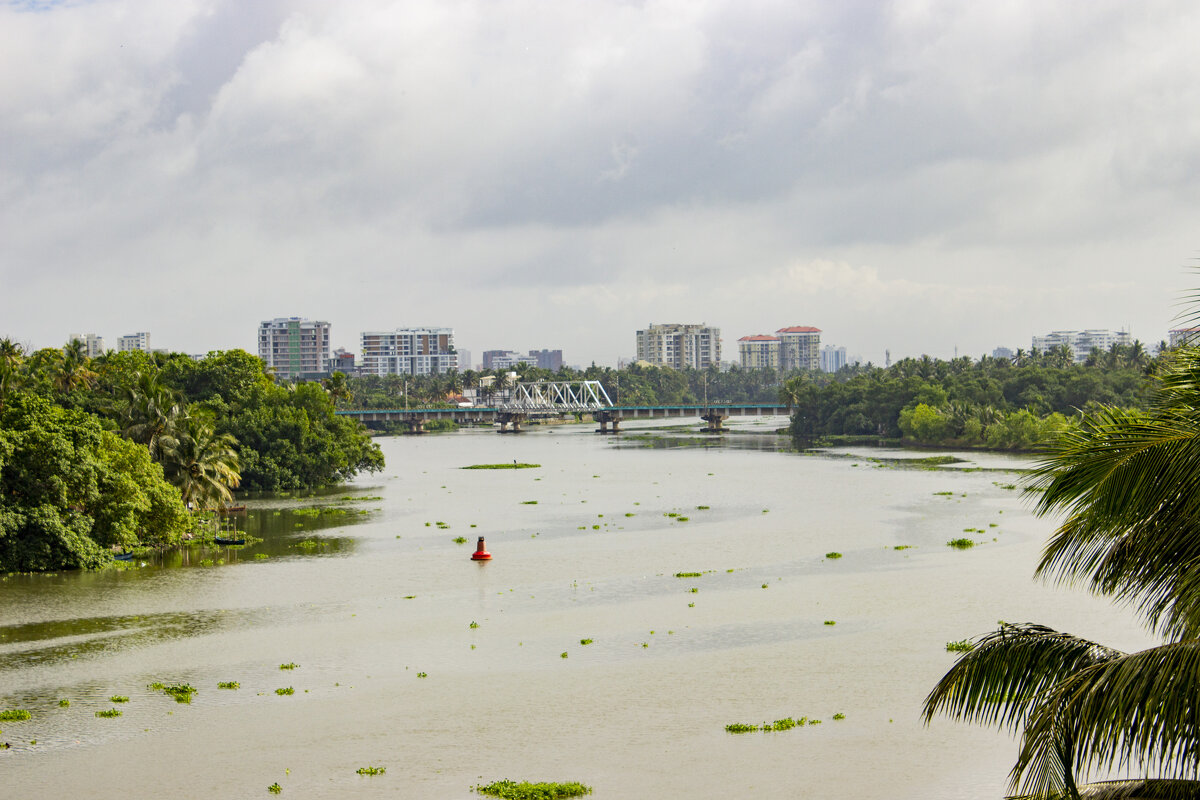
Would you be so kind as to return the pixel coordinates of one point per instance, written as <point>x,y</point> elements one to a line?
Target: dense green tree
<point>1126,481</point>
<point>70,490</point>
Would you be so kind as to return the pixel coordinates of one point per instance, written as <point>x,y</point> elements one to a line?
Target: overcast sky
<point>916,176</point>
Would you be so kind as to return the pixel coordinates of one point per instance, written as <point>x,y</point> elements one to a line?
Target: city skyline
<point>917,178</point>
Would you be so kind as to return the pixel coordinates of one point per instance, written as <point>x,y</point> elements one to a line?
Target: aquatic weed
<point>275,788</point>
<point>110,713</point>
<point>371,770</point>
<point>961,544</point>
<point>285,691</point>
<point>961,646</point>
<point>229,685</point>
<point>14,715</point>
<point>511,790</point>
<point>839,716</point>
<point>118,698</point>
<point>585,641</point>
<point>834,554</point>
<point>289,665</point>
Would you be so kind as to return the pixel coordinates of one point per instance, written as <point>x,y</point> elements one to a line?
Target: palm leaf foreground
<point>1128,484</point>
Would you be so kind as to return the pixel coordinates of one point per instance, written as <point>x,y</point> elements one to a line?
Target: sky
<point>913,177</point>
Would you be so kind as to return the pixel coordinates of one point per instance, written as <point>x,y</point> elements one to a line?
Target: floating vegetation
<point>110,713</point>
<point>474,624</point>
<point>694,589</point>
<point>422,674</point>
<point>681,519</point>
<point>460,540</point>
<point>275,788</point>
<point>511,790</point>
<point>691,605</point>
<point>14,715</point>
<point>585,641</point>
<point>371,770</point>
<point>688,574</point>
<point>64,703</point>
<point>839,716</point>
<point>312,544</point>
<point>943,494</point>
<point>229,685</point>
<point>764,586</point>
<point>529,502</point>
<point>261,556</point>
<point>285,691</point>
<point>630,514</point>
<point>118,698</point>
<point>182,693</point>
<point>831,622</point>
<point>961,544</point>
<point>289,665</point>
<point>513,465</point>
<point>785,724</point>
<point>961,646</point>
<point>702,508</point>
<point>563,654</point>
<point>834,554</point>
<point>902,547</point>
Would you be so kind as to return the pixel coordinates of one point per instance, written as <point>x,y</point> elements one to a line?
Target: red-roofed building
<point>759,352</point>
<point>799,348</point>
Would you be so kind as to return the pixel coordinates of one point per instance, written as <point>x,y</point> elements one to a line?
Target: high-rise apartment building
<point>93,344</point>
<point>506,359</point>
<point>134,341</point>
<point>832,358</point>
<point>799,348</point>
<point>759,352</point>
<point>296,348</point>
<point>679,346</point>
<point>408,351</point>
<point>548,359</point>
<point>1081,343</point>
<point>1184,336</point>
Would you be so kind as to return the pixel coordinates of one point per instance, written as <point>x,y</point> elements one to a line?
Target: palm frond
<point>1008,672</point>
<point>1132,710</point>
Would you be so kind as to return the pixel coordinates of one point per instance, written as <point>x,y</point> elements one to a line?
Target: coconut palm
<point>73,369</point>
<point>1127,483</point>
<point>152,414</point>
<point>203,464</point>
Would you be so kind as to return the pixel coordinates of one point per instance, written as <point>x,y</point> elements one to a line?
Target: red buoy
<point>481,553</point>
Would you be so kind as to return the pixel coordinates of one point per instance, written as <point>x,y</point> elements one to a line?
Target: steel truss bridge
<point>545,399</point>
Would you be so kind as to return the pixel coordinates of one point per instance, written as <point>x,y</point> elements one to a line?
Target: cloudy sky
<point>912,176</point>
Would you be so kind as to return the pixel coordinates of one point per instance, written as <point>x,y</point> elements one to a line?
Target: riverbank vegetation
<point>1124,480</point>
<point>112,453</point>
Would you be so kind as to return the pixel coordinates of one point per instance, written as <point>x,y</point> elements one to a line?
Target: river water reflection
<point>451,673</point>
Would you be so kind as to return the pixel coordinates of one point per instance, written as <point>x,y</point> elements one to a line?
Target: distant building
<point>93,344</point>
<point>1184,336</point>
<point>342,362</point>
<point>464,360</point>
<point>758,352</point>
<point>295,348</point>
<point>134,341</point>
<point>1081,343</point>
<point>679,346</point>
<point>506,359</point>
<point>548,359</point>
<point>832,358</point>
<point>1003,354</point>
<point>799,348</point>
<point>408,351</point>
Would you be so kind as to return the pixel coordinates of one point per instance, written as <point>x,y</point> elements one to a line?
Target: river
<point>449,673</point>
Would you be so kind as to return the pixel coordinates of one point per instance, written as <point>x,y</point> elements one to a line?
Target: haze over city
<point>915,176</point>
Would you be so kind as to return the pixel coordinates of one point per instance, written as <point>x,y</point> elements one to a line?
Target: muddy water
<point>585,547</point>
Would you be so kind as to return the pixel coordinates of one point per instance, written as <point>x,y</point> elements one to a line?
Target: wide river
<point>450,673</point>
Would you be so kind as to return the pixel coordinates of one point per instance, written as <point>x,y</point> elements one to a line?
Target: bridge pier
<point>606,418</point>
<point>505,419</point>
<point>415,425</point>
<point>713,421</point>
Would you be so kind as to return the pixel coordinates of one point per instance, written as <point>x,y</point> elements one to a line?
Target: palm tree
<point>203,464</point>
<point>73,370</point>
<point>1127,484</point>
<point>152,414</point>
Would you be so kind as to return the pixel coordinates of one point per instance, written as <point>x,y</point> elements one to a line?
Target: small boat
<point>123,556</point>
<point>220,540</point>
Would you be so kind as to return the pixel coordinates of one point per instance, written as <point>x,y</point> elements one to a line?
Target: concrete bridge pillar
<point>714,420</point>
<point>415,425</point>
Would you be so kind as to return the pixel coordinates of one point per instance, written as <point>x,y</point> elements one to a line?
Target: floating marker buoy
<point>481,553</point>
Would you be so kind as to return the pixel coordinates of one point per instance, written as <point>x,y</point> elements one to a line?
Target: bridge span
<point>609,418</point>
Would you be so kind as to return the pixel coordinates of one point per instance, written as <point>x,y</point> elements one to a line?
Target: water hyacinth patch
<point>285,691</point>
<point>961,646</point>
<point>110,713</point>
<point>834,554</point>
<point>513,465</point>
<point>511,790</point>
<point>275,788</point>
<point>289,665</point>
<point>371,770</point>
<point>118,698</point>
<point>229,685</point>
<point>961,544</point>
<point>14,715</point>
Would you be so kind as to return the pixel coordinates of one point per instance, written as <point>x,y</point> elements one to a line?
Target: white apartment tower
<point>408,351</point>
<point>679,346</point>
<point>1082,343</point>
<point>93,344</point>
<point>296,348</point>
<point>134,341</point>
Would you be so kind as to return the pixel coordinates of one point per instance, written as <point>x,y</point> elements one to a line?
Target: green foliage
<point>70,490</point>
<point>275,788</point>
<point>371,770</point>
<point>118,698</point>
<point>833,554</point>
<point>181,693</point>
<point>289,665</point>
<point>512,790</point>
<point>960,646</point>
<point>513,465</point>
<point>961,543</point>
<point>229,685</point>
<point>285,691</point>
<point>64,703</point>
<point>14,715</point>
<point>109,713</point>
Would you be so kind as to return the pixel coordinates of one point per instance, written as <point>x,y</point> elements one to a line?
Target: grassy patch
<point>513,465</point>
<point>512,790</point>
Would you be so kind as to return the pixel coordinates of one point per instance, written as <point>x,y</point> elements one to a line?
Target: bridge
<point>558,399</point>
